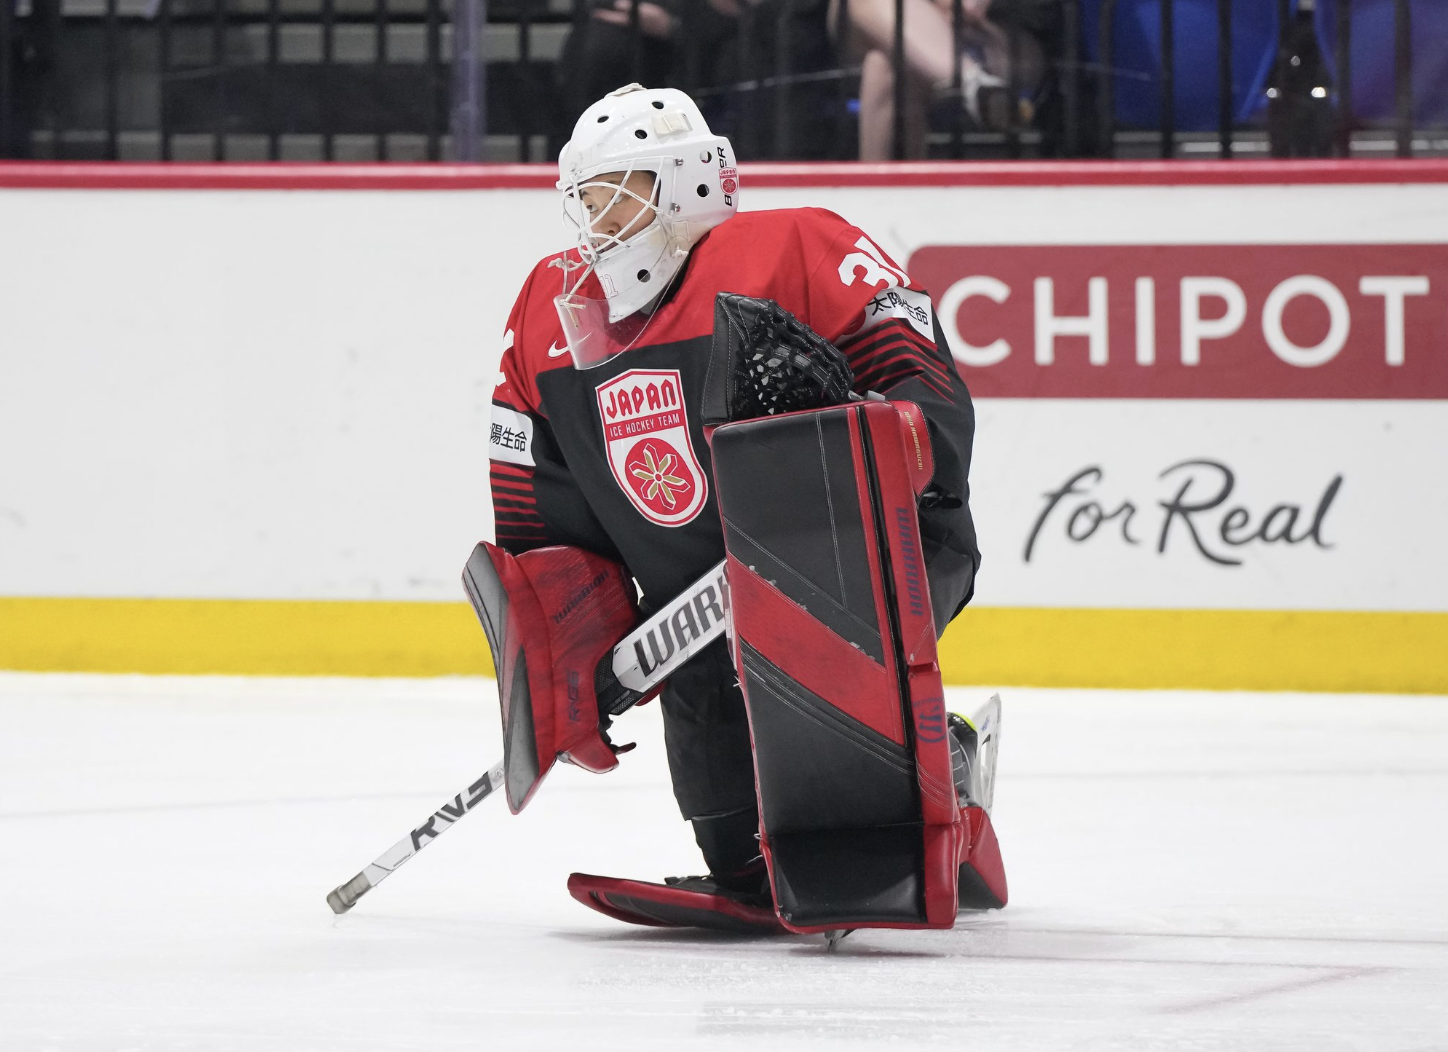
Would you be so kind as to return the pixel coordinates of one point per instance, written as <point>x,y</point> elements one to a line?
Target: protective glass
<point>592,338</point>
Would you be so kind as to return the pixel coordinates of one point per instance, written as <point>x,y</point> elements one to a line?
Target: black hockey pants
<point>706,733</point>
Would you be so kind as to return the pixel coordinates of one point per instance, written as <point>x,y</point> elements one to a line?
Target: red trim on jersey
<point>502,467</point>
<point>515,505</point>
<point>863,341</point>
<point>514,491</point>
<point>114,175</point>
<point>893,351</point>
<point>885,382</point>
<point>515,483</point>
<point>527,534</point>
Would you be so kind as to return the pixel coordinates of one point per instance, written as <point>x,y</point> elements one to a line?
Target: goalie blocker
<point>551,615</point>
<point>834,640</point>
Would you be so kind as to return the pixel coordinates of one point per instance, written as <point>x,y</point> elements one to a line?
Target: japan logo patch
<point>646,430</point>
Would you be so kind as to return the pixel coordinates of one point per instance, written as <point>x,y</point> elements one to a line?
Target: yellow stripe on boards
<point>1023,646</point>
<point>242,637</point>
<point>1199,649</point>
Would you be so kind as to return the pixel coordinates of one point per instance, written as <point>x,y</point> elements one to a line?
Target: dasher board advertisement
<point>1210,400</point>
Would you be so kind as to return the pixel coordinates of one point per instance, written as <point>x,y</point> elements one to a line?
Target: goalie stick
<point>624,677</point>
<point>344,896</point>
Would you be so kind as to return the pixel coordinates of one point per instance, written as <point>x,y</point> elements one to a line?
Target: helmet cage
<point>592,244</point>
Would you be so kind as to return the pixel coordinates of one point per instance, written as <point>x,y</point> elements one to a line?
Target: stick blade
<point>344,896</point>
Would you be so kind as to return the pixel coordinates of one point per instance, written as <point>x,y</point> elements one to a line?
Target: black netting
<point>780,365</point>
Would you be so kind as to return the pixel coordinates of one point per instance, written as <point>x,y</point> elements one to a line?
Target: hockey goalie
<point>691,388</point>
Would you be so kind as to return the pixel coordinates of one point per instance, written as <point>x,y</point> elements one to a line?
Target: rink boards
<point>1211,447</point>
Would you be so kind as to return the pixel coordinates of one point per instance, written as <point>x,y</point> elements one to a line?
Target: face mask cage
<point>587,202</point>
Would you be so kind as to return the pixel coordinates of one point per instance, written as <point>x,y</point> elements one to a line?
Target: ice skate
<point>973,746</point>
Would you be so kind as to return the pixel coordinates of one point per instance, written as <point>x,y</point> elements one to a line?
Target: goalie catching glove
<point>765,361</point>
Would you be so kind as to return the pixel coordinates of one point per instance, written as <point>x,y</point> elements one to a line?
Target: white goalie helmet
<point>695,188</point>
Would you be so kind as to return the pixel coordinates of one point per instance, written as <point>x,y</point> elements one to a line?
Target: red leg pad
<point>982,873</point>
<point>834,640</point>
<point>662,906</point>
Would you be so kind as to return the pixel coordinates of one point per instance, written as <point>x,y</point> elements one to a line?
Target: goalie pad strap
<point>550,615</point>
<point>835,645</point>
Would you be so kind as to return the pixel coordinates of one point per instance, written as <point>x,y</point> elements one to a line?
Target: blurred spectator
<point>994,33</point>
<point>32,56</point>
<point>764,71</point>
<point>601,52</point>
<point>779,91</point>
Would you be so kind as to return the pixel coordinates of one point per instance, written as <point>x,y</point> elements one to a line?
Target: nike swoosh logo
<point>557,352</point>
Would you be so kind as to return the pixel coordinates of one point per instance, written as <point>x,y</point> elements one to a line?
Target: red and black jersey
<point>613,459</point>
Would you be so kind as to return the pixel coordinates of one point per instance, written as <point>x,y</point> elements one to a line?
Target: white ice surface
<point>1187,871</point>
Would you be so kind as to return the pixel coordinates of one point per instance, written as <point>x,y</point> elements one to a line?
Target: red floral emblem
<point>659,476</point>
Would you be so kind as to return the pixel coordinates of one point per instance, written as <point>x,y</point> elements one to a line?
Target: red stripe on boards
<point>85,175</point>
